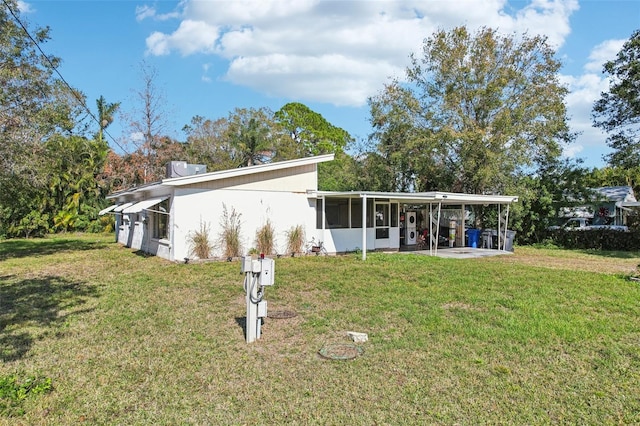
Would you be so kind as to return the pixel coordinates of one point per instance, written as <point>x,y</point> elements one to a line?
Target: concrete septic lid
<point>341,351</point>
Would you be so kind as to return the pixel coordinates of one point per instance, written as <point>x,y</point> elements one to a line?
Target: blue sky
<point>212,56</point>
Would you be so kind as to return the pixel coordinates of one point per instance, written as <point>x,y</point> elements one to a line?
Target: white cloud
<point>190,37</point>
<point>205,70</point>
<point>338,52</point>
<point>25,7</point>
<point>573,150</point>
<point>143,12</point>
<point>584,91</point>
<point>604,52</point>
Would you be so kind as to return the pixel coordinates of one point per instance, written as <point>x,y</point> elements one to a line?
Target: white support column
<point>433,239</point>
<point>461,231</point>
<point>324,217</point>
<point>364,227</point>
<point>506,226</point>
<point>499,229</point>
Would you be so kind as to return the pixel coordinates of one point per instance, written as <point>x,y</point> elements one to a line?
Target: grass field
<point>539,337</point>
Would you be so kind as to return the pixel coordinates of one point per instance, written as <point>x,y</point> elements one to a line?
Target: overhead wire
<point>55,69</point>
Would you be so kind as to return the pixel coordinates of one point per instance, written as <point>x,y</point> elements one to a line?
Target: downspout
<point>364,226</point>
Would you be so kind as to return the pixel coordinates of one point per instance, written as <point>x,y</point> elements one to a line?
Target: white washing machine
<point>411,233</point>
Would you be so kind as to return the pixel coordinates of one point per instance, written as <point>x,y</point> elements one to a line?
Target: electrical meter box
<point>245,264</point>
<point>262,309</point>
<point>268,272</point>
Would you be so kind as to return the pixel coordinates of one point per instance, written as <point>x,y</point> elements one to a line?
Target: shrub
<point>265,238</point>
<point>597,239</point>
<point>199,244</point>
<point>230,235</point>
<point>295,239</point>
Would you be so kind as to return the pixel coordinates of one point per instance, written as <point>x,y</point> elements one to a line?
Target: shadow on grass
<point>19,248</point>
<point>242,323</point>
<point>31,308</point>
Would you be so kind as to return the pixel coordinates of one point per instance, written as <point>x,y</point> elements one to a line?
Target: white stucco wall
<point>191,206</point>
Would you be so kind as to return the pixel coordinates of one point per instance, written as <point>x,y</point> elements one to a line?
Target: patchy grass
<point>539,337</point>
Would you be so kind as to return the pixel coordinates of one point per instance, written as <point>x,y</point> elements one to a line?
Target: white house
<point>610,205</point>
<point>158,218</point>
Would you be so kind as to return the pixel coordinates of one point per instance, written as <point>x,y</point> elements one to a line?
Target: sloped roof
<point>242,171</point>
<point>617,193</point>
<point>225,174</point>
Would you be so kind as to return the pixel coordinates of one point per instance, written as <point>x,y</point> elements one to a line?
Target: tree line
<point>476,112</point>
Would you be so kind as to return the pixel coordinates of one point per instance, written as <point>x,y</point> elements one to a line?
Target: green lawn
<point>540,337</point>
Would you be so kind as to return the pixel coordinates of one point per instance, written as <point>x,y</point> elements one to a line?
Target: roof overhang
<point>107,210</point>
<point>422,197</point>
<point>122,207</point>
<point>143,205</point>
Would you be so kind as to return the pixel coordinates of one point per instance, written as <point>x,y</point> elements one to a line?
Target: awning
<point>107,210</point>
<point>122,207</point>
<point>143,205</point>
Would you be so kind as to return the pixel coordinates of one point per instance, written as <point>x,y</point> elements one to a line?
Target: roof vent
<point>176,169</point>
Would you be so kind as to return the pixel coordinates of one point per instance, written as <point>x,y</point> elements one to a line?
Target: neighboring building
<point>611,205</point>
<point>158,218</point>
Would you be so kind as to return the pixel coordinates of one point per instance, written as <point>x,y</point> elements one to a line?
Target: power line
<point>55,69</point>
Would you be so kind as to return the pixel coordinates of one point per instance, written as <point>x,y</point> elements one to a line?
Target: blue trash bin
<point>474,237</point>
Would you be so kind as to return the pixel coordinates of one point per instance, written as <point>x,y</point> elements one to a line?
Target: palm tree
<point>105,114</point>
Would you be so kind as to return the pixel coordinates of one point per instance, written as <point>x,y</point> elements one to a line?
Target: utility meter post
<point>257,274</point>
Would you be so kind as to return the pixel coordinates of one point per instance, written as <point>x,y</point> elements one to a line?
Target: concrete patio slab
<point>462,252</point>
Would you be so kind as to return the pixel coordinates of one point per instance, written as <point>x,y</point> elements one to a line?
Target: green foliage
<point>617,111</point>
<point>33,224</point>
<point>106,112</point>
<point>207,143</point>
<point>313,134</point>
<point>265,238</point>
<point>75,164</point>
<point>596,239</point>
<point>341,174</point>
<point>199,242</point>
<point>475,111</point>
<point>229,236</point>
<point>295,239</point>
<point>555,185</point>
<point>13,391</point>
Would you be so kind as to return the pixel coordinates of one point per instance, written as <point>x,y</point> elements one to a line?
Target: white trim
<point>122,207</point>
<point>425,197</point>
<point>144,205</point>
<point>107,210</point>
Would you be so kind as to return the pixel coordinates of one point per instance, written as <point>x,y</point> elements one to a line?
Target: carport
<point>434,203</point>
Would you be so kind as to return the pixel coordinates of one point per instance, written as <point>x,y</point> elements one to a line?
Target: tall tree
<point>208,143</point>
<point>106,113</point>
<point>476,109</point>
<point>617,111</point>
<point>148,123</point>
<point>313,134</point>
<point>34,105</point>
<point>253,135</point>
